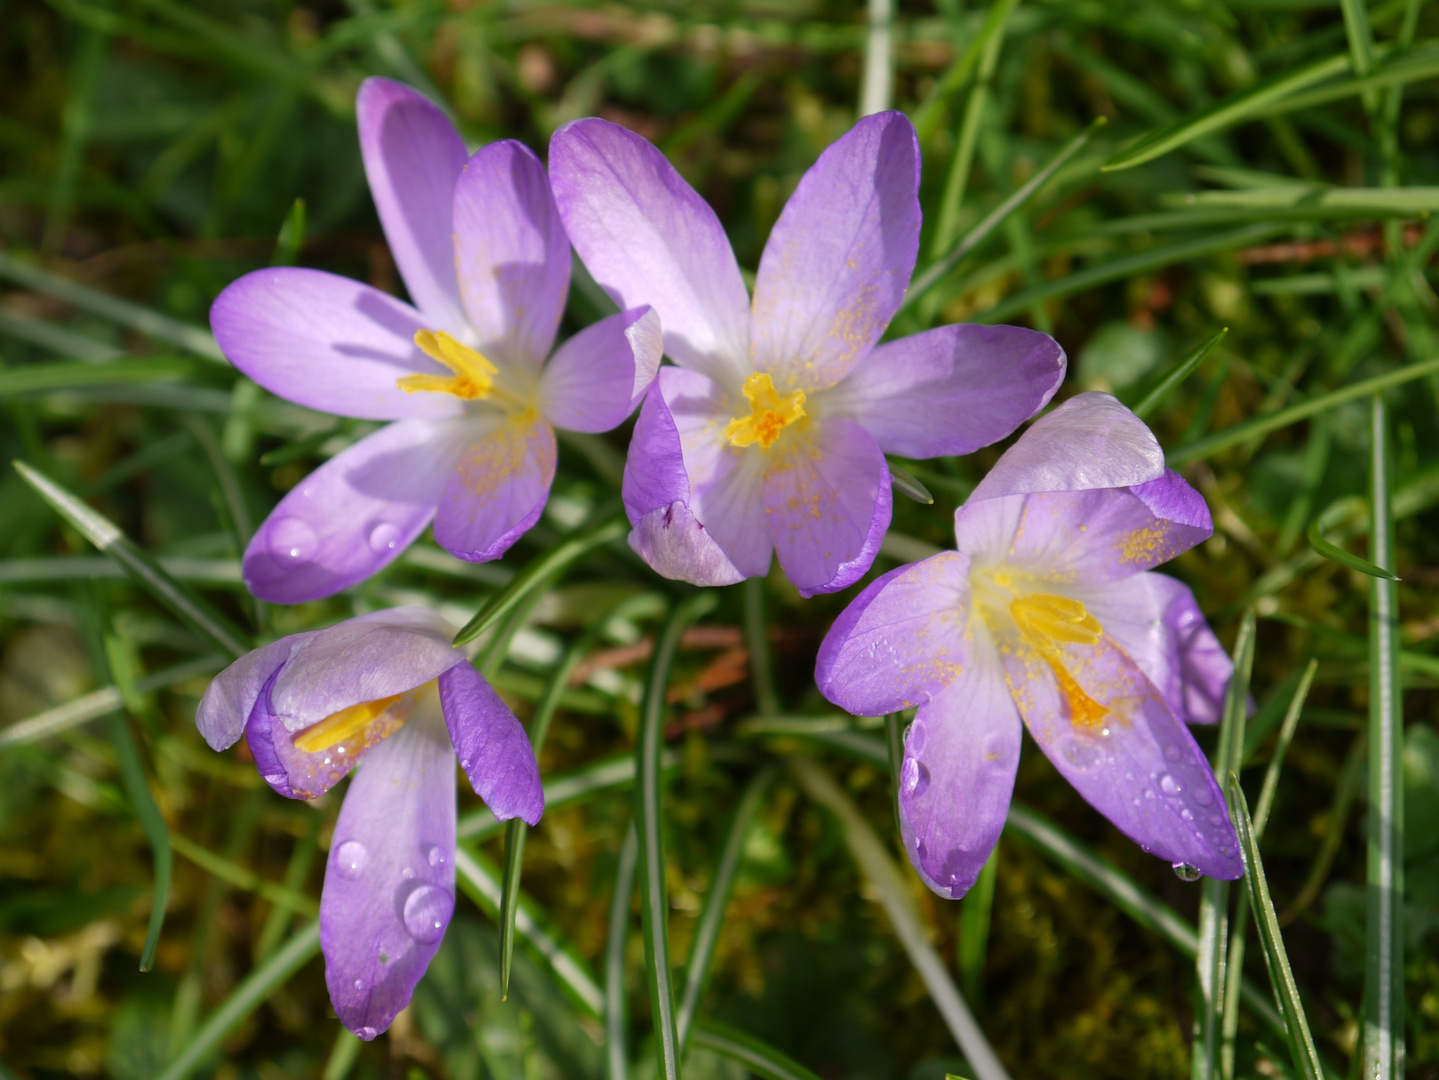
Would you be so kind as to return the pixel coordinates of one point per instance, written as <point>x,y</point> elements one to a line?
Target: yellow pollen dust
<point>343,725</point>
<point>473,378</point>
<point>1048,621</point>
<point>769,413</point>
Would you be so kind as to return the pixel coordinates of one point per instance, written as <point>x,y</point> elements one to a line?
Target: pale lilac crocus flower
<point>1047,614</point>
<point>462,372</point>
<point>387,688</point>
<point>771,434</point>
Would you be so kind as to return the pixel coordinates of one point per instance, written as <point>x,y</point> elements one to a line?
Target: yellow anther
<point>473,378</point>
<point>769,413</point>
<point>1046,622</point>
<point>344,726</point>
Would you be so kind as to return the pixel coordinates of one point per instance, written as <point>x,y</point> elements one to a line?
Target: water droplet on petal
<point>407,874</point>
<point>1082,753</point>
<point>384,537</point>
<point>359,984</point>
<point>1169,785</point>
<point>427,911</point>
<point>292,538</point>
<point>1185,814</point>
<point>1171,752</point>
<point>1184,872</point>
<point>913,777</point>
<point>435,855</point>
<point>351,858</point>
<point>367,1033</point>
<point>1202,795</point>
<point>916,738</point>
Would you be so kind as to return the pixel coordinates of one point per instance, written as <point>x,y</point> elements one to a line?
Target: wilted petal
<point>840,256</point>
<point>950,390</point>
<point>511,253</point>
<point>596,378</point>
<point>326,342</point>
<point>413,156</point>
<point>390,876</point>
<point>352,515</point>
<point>902,641</point>
<point>648,238</point>
<point>827,502</point>
<point>960,757</point>
<point>1091,441</point>
<point>498,489</point>
<point>493,748</point>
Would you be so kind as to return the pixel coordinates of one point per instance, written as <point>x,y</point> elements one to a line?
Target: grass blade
<point>877,83</point>
<point>908,486</point>
<point>761,664</point>
<point>616,1059</point>
<point>1276,762</point>
<point>515,833</point>
<point>758,1057</point>
<point>157,833</point>
<point>42,378</point>
<point>1181,372</point>
<point>975,909</point>
<point>292,236</point>
<point>222,868</point>
<point>1344,558</point>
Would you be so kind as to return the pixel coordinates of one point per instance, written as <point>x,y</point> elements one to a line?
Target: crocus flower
<point>1047,613</point>
<point>387,688</point>
<point>771,433</point>
<point>462,372</point>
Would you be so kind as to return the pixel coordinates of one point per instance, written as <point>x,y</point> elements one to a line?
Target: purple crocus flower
<point>1047,614</point>
<point>387,688</point>
<point>771,434</point>
<point>462,373</point>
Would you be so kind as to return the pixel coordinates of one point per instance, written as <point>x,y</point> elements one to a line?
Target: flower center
<point>769,413</point>
<point>1046,622</point>
<point>473,378</point>
<point>356,721</point>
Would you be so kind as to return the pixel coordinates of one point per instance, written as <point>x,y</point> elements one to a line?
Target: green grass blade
<point>222,868</point>
<point>876,88</point>
<point>761,664</point>
<point>758,1057</point>
<point>1182,371</point>
<point>245,999</point>
<point>515,833</point>
<point>1286,992</point>
<point>908,486</point>
<point>1337,554</point>
<point>975,909</point>
<point>878,867</point>
<point>342,1057</point>
<point>1365,202</point>
<point>929,115</point>
<point>1276,762</point>
<point>711,921</point>
<point>292,236</point>
<point>616,1058</point>
<point>43,378</point>
<point>280,917</point>
<point>157,833</point>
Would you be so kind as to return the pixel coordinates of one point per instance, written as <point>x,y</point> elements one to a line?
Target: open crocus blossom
<point>462,372</point>
<point>387,688</point>
<point>1046,614</point>
<point>771,434</point>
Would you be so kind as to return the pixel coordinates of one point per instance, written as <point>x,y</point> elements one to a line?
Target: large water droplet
<point>1082,753</point>
<point>1184,872</point>
<point>427,910</point>
<point>351,858</point>
<point>1171,752</point>
<point>367,1033</point>
<point>436,856</point>
<point>914,777</point>
<point>1169,785</point>
<point>291,538</point>
<point>916,738</point>
<point>1202,795</point>
<point>384,537</point>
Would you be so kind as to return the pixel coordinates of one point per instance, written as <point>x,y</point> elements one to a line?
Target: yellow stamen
<point>1048,621</point>
<point>769,413</point>
<point>474,376</point>
<point>342,726</point>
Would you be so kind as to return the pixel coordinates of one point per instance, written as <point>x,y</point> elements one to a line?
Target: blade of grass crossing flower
<point>616,1035</point>
<point>1383,1050</point>
<point>761,663</point>
<point>649,822</point>
<point>1281,976</point>
<point>707,931</point>
<point>98,529</point>
<point>875,863</point>
<point>758,1057</point>
<point>245,999</point>
<point>1181,372</point>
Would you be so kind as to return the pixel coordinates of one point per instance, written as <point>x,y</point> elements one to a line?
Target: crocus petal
<point>511,253</point>
<point>648,238</point>
<point>950,390</point>
<point>390,877</point>
<point>596,378</point>
<point>1204,667</point>
<point>413,156</point>
<point>231,695</point>
<point>960,757</point>
<point>827,503</point>
<point>1091,441</point>
<point>326,342</point>
<point>1085,537</point>
<point>493,748</point>
<point>497,490</point>
<point>902,641</point>
<point>840,256</point>
<point>1137,764</point>
<point>353,515</point>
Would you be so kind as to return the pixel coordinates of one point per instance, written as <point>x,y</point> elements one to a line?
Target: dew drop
<point>916,738</point>
<point>1081,753</point>
<point>367,1033</point>
<point>1149,793</point>
<point>359,984</point>
<point>1169,785</point>
<point>1171,753</point>
<point>292,538</point>
<point>407,874</point>
<point>427,910</point>
<point>1184,872</point>
<point>351,858</point>
<point>435,856</point>
<point>1202,794</point>
<point>914,777</point>
<point>1185,814</point>
<point>384,537</point>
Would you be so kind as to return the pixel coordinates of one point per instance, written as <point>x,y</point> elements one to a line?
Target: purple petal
<point>390,876</point>
<point>950,390</point>
<point>840,256</point>
<point>497,490</point>
<point>596,378</point>
<point>353,515</point>
<point>1091,441</point>
<point>648,238</point>
<point>902,641</point>
<point>231,695</point>
<point>827,503</point>
<point>1204,668</point>
<point>676,546</point>
<point>1137,764</point>
<point>327,343</point>
<point>413,156</point>
<point>960,757</point>
<point>511,254</point>
<point>493,748</point>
